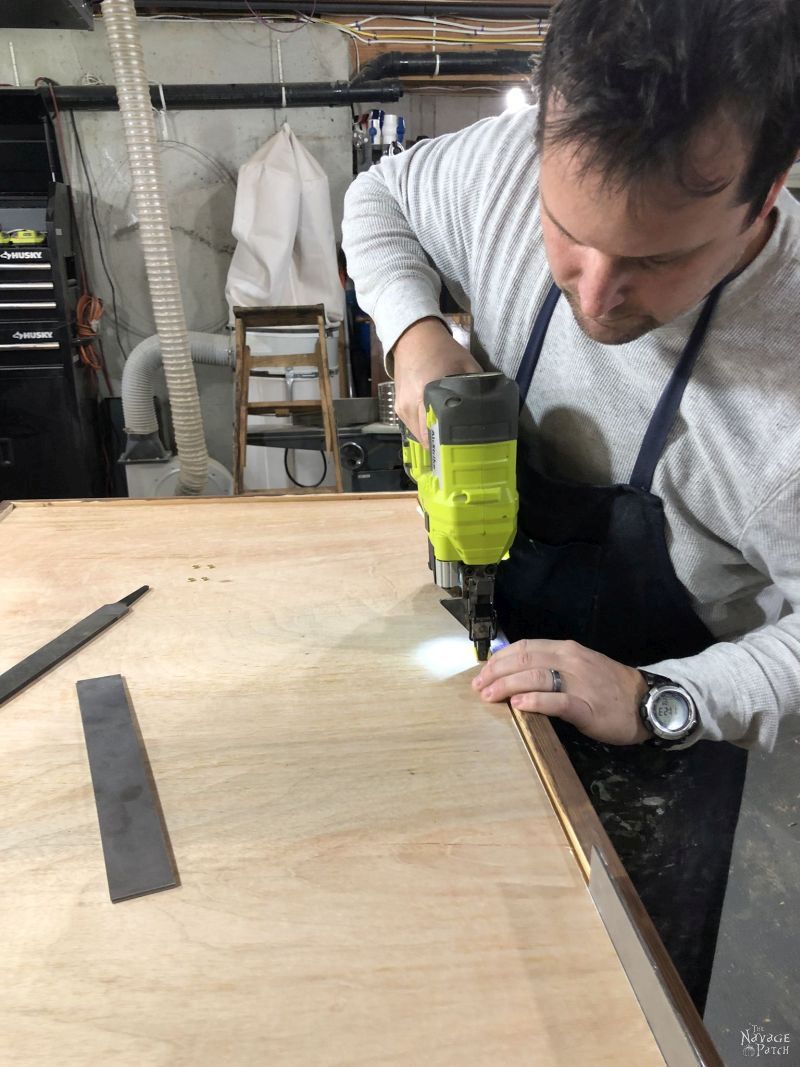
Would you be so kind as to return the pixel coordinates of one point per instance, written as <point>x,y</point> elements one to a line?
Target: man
<point>631,259</point>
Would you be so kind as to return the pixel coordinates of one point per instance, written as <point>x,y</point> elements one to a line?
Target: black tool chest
<point>48,436</point>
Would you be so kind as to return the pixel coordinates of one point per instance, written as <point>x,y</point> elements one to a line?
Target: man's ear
<point>772,196</point>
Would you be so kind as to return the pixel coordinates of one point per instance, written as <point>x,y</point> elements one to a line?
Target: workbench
<point>372,872</point>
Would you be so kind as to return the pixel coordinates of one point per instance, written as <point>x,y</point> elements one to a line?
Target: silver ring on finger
<point>558,684</point>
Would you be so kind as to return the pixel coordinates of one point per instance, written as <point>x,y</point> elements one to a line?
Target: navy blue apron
<point>590,563</point>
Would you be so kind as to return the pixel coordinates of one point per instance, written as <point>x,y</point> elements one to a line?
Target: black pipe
<point>410,64</point>
<point>213,96</point>
<point>495,12</point>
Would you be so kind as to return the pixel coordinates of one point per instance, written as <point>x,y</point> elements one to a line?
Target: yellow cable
<point>371,37</point>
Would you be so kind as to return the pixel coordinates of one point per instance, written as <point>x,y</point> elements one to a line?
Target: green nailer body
<point>466,481</point>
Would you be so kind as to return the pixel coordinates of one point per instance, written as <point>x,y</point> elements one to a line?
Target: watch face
<point>671,711</point>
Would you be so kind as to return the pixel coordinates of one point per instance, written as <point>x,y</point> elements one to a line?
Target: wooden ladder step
<point>271,407</point>
<point>303,315</point>
<point>302,359</point>
<point>248,364</point>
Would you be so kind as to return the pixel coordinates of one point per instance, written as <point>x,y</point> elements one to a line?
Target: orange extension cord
<point>87,314</point>
<point>89,308</point>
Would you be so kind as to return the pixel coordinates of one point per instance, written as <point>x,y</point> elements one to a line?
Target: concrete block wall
<point>434,111</point>
<point>201,154</point>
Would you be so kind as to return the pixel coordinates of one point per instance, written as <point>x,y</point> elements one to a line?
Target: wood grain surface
<point>371,871</point>
<point>670,1010</point>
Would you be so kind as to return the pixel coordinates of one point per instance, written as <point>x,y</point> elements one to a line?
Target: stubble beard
<point>629,328</point>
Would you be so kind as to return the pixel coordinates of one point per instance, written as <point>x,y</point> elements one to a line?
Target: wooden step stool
<point>253,318</point>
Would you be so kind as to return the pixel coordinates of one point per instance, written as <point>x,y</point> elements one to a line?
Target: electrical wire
<point>294,481</point>
<point>60,134</point>
<point>408,30</point>
<point>454,90</point>
<point>57,119</point>
<point>303,20</point>
<point>473,28</point>
<point>88,312</point>
<point>527,34</point>
<point>527,42</point>
<point>216,164</point>
<point>88,308</point>
<point>221,171</point>
<point>411,29</point>
<point>471,34</point>
<point>100,248</point>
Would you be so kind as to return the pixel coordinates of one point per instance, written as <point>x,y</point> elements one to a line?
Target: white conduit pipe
<point>143,365</point>
<point>133,94</point>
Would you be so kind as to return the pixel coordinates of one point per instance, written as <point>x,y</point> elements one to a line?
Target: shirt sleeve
<point>409,222</point>
<point>748,690</point>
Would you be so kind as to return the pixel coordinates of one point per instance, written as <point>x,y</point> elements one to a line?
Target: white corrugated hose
<point>141,370</point>
<point>133,94</point>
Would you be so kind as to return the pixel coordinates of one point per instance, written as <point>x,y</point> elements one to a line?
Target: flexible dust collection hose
<point>133,93</point>
<point>140,375</point>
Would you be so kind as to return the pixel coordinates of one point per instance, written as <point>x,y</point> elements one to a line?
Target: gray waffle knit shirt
<point>464,208</point>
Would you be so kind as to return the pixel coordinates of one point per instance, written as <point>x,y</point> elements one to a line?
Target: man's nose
<point>603,284</point>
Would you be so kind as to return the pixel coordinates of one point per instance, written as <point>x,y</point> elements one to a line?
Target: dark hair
<point>638,77</point>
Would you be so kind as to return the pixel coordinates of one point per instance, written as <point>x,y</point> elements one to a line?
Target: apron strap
<point>533,349</point>
<point>664,415</point>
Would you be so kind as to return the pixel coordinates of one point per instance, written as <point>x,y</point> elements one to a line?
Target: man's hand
<point>425,353</point>
<point>599,696</point>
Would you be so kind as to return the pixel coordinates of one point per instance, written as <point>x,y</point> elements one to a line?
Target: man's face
<point>628,262</point>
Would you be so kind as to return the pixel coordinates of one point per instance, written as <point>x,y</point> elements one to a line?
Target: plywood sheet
<point>371,871</point>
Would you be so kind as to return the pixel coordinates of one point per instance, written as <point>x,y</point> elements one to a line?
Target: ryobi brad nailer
<point>467,485</point>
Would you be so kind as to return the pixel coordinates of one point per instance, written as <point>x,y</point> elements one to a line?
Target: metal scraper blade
<point>136,846</point>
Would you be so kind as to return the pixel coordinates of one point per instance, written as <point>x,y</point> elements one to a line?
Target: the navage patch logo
<point>33,335</point>
<point>757,1042</point>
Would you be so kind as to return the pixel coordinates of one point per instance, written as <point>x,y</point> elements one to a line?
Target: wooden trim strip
<point>586,835</point>
<point>570,802</point>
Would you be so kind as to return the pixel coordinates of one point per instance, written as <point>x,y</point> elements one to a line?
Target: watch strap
<point>655,679</point>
